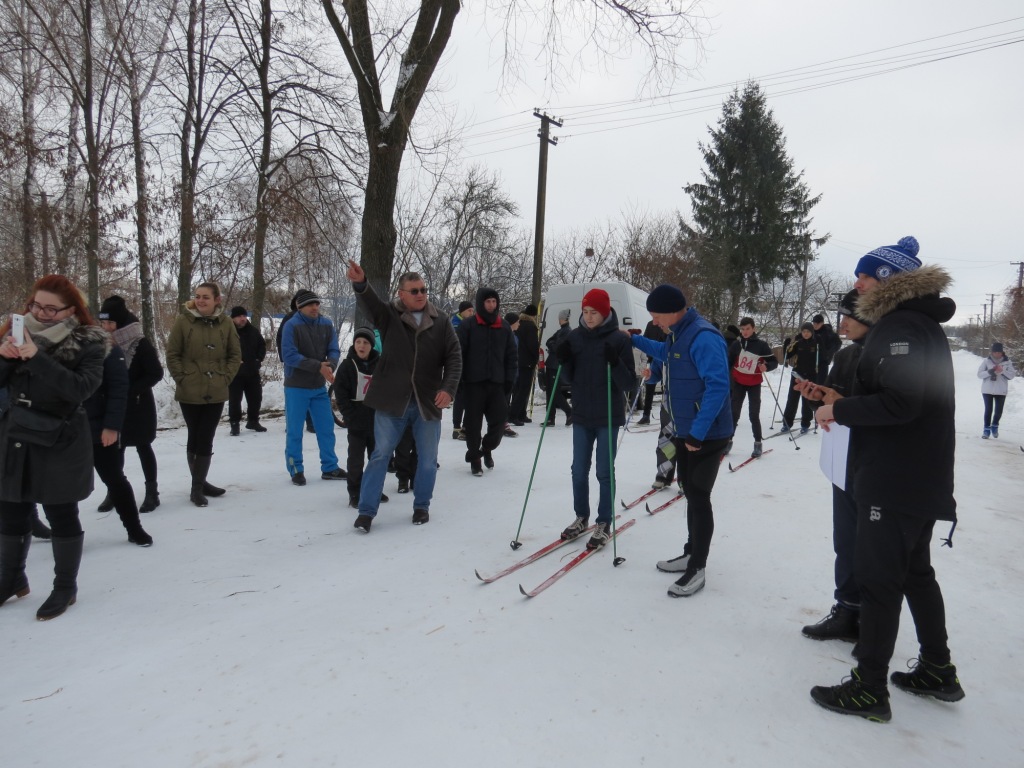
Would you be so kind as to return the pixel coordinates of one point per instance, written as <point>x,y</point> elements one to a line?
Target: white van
<point>628,301</point>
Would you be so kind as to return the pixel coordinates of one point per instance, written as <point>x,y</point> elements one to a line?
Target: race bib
<point>747,362</point>
<point>362,385</point>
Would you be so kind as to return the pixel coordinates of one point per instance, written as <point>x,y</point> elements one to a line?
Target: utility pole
<point>991,316</point>
<point>542,183</point>
<point>1020,281</point>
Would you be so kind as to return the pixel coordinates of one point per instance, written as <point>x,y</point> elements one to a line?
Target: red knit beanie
<point>598,299</point>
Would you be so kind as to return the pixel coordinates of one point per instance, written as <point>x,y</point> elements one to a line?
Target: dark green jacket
<point>203,356</point>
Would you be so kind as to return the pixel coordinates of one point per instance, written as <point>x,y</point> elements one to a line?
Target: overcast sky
<point>932,150</point>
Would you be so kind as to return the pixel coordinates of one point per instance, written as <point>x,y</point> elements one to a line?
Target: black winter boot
<point>842,623</point>
<point>13,554</point>
<point>39,529</point>
<point>106,505</point>
<point>152,500</point>
<point>67,557</point>
<point>235,432</point>
<point>199,465</point>
<point>129,514</point>
<point>255,426</point>
<point>208,489</point>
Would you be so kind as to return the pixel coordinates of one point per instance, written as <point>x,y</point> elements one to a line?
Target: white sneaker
<point>575,528</point>
<point>675,565</point>
<point>602,533</point>
<point>691,583</point>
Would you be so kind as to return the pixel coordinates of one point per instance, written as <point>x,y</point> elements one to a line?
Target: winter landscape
<point>264,630</point>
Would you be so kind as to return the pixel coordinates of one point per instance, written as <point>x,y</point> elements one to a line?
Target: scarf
<point>48,335</point>
<point>128,339</point>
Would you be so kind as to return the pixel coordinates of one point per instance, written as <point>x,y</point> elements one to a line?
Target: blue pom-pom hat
<point>888,260</point>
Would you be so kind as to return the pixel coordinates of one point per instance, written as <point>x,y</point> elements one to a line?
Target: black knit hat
<point>464,305</point>
<point>807,327</point>
<point>116,311</point>
<point>511,318</point>
<point>848,307</point>
<point>364,333</point>
<point>304,297</point>
<point>818,319</point>
<point>531,310</point>
<point>665,300</point>
<point>239,311</point>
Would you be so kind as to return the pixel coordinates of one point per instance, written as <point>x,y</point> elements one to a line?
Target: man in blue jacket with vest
<point>696,380</point>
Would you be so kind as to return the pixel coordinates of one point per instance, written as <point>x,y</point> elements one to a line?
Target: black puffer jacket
<point>254,349</point>
<point>585,370</point>
<point>489,351</point>
<point>529,341</point>
<point>106,407</point>
<point>143,374</point>
<point>902,409</point>
<point>358,416</point>
<point>804,357</point>
<point>55,381</point>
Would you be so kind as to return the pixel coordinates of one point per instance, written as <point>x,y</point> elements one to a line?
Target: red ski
<point>572,564</point>
<point>666,505</point>
<point>741,465</point>
<point>646,496</point>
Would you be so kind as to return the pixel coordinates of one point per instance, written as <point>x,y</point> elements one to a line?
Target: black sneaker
<point>842,623</point>
<point>575,528</point>
<point>644,421</point>
<point>353,501</point>
<point>476,469</point>
<point>926,679</point>
<point>488,460</point>
<point>363,523</point>
<point>384,498</point>
<point>335,474</point>
<point>403,486</point>
<point>853,697</point>
<point>509,432</point>
<point>420,516</point>
<point>602,534</point>
<point>691,582</point>
<point>298,479</point>
<point>255,426</point>
<point>234,429</point>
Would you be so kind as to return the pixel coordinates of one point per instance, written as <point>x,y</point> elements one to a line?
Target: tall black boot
<point>124,503</point>
<point>67,557</point>
<point>13,554</point>
<point>208,489</point>
<point>39,529</point>
<point>152,500</point>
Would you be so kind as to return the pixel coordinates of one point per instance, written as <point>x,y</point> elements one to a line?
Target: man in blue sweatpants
<point>309,348</point>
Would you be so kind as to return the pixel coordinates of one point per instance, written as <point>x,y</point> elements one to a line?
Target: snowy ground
<point>264,630</point>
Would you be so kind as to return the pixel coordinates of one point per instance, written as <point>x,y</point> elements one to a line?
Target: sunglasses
<point>414,291</point>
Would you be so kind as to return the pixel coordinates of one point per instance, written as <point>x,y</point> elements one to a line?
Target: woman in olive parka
<point>203,355</point>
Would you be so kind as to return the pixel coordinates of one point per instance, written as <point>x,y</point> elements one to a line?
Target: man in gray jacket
<point>415,379</point>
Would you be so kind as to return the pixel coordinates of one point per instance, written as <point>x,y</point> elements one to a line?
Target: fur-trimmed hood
<point>917,290</point>
<point>70,347</point>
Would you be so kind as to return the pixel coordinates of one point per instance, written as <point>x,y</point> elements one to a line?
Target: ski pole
<point>516,543</point>
<point>616,560</point>
<point>770,389</point>
<point>629,418</point>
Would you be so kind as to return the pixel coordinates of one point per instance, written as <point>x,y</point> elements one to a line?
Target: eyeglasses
<point>414,291</point>
<point>48,312</point>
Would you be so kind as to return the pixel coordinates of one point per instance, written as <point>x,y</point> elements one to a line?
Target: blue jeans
<point>297,401</point>
<point>583,440</point>
<point>387,431</point>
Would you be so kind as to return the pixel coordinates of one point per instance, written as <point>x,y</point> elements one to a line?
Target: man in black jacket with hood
<point>902,443</point>
<point>488,374</point>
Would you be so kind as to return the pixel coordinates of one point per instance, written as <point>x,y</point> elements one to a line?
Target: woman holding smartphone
<point>45,442</point>
<point>203,356</point>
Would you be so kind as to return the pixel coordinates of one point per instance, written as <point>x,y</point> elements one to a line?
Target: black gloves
<point>564,353</point>
<point>611,355</point>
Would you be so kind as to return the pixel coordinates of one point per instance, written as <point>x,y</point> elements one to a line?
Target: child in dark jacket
<point>351,381</point>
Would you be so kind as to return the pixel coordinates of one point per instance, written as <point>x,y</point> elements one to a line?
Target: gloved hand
<point>992,376</point>
<point>611,356</point>
<point>563,352</point>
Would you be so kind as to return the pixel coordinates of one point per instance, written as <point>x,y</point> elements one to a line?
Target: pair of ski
<point>648,495</point>
<point>557,544</point>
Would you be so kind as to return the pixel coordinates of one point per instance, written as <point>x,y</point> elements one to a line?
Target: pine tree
<point>751,214</point>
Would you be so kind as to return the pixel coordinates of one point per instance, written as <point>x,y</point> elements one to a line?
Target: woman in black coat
<point>45,444</point>
<point>144,373</point>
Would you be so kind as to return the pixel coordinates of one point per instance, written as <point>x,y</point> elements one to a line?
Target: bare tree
<point>405,48</point>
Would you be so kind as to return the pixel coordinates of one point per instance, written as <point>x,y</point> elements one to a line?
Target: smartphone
<point>796,375</point>
<point>18,329</point>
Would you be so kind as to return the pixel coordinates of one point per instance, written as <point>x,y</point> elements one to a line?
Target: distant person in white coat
<point>994,371</point>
